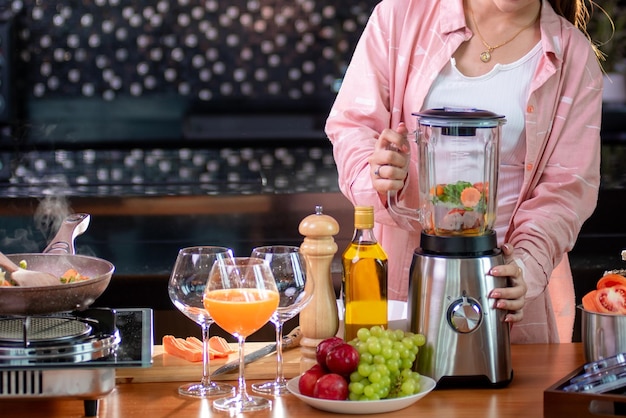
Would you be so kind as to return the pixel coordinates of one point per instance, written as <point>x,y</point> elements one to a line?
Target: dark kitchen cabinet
<point>603,236</point>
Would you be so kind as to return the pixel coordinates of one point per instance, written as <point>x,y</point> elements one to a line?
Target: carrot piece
<point>470,196</point>
<point>610,280</point>
<point>437,190</point>
<point>70,272</point>
<point>5,282</point>
<point>71,276</point>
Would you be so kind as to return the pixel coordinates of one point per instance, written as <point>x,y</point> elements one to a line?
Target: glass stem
<point>279,351</point>
<point>243,393</point>
<point>206,376</point>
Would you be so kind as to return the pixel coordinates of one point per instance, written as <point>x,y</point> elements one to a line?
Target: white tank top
<point>504,90</point>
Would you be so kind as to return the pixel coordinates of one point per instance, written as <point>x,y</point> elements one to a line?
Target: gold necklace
<point>485,56</point>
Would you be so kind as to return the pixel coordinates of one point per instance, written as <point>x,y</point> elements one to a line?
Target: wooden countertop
<point>536,368</point>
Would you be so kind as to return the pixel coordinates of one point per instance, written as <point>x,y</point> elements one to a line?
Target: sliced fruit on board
<point>190,349</point>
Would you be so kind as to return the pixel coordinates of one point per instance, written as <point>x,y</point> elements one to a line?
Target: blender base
<point>467,340</point>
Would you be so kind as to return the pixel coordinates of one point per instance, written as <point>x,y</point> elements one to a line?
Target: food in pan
<point>70,276</point>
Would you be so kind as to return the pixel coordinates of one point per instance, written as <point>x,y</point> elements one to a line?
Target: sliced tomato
<point>456,210</point>
<point>590,301</point>
<point>612,299</point>
<point>610,280</point>
<point>482,187</point>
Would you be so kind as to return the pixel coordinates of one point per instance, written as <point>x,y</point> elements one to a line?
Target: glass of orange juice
<point>241,296</point>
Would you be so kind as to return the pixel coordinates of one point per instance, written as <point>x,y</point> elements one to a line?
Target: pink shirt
<point>403,48</point>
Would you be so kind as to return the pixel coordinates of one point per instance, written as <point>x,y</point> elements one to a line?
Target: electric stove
<point>72,355</point>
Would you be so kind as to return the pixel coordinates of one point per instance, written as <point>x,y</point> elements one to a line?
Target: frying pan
<point>57,258</point>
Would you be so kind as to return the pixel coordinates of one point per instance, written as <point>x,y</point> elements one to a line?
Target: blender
<point>467,340</point>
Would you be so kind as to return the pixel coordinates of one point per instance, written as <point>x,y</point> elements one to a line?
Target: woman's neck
<point>503,32</point>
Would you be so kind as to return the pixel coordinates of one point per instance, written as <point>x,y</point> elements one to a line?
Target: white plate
<point>362,407</point>
<point>396,315</point>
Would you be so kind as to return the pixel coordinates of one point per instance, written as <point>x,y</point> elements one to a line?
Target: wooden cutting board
<point>168,368</point>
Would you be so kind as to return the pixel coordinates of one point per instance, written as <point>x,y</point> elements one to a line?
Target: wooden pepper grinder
<point>319,319</point>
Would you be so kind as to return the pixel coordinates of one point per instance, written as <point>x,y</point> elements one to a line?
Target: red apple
<point>322,349</point>
<point>342,359</point>
<point>307,381</point>
<point>331,386</point>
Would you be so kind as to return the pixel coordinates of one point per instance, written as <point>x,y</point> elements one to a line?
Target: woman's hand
<point>390,160</point>
<point>510,298</point>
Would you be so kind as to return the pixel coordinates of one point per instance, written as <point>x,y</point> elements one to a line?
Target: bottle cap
<point>364,217</point>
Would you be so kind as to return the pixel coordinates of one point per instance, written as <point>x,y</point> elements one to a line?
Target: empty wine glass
<point>186,289</point>
<point>241,296</point>
<point>289,270</point>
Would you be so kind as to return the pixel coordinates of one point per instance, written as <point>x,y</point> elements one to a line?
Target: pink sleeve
<point>361,111</point>
<point>564,187</point>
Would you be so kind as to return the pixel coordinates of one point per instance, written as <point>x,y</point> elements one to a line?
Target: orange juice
<point>241,311</point>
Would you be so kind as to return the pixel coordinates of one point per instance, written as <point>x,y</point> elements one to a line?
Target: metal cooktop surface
<point>93,341</point>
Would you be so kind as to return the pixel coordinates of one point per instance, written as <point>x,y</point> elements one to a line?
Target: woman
<point>518,58</point>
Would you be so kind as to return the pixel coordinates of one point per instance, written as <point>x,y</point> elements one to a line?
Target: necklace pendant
<point>485,56</point>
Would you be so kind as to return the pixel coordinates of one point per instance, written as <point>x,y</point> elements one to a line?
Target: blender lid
<point>459,117</point>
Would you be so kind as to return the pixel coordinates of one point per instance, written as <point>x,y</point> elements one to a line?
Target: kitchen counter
<point>536,368</point>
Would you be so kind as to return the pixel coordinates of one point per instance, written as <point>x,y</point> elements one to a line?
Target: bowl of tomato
<point>603,317</point>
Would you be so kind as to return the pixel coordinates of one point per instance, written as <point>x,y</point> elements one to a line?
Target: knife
<point>291,340</point>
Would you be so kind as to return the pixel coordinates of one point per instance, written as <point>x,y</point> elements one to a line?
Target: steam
<point>50,213</point>
<point>21,241</point>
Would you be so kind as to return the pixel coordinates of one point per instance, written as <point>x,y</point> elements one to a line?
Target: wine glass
<point>186,289</point>
<point>241,296</point>
<point>289,270</point>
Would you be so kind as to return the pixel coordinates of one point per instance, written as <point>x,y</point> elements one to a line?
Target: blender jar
<point>458,173</point>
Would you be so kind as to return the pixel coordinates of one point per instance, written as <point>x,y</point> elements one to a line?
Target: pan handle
<point>72,226</point>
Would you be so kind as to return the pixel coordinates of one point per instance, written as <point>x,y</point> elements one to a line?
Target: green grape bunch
<point>386,359</point>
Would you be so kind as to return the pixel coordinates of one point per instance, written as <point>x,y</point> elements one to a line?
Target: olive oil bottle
<point>364,281</point>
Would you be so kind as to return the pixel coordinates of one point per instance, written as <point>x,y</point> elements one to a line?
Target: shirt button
<point>530,109</point>
<point>529,167</point>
